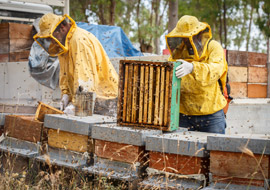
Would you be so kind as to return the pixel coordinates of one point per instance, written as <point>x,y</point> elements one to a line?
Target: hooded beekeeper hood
<point>49,26</point>
<point>189,39</point>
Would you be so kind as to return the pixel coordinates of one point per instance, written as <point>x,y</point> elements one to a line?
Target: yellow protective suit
<point>200,90</point>
<point>83,61</point>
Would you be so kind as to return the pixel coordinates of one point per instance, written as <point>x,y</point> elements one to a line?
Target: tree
<point>173,14</point>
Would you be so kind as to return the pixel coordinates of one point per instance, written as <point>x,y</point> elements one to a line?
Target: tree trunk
<point>268,67</point>
<point>220,23</point>
<point>173,14</point>
<point>138,22</point>
<point>225,24</point>
<point>156,41</point>
<point>112,11</point>
<point>101,14</point>
<point>249,28</point>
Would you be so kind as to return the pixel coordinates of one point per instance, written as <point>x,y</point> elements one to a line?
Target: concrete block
<point>257,74</point>
<point>125,135</point>
<point>258,144</point>
<point>237,74</point>
<point>238,89</point>
<point>19,147</point>
<point>257,59</point>
<point>115,170</point>
<point>65,158</point>
<point>237,58</point>
<point>75,124</point>
<point>229,186</point>
<point>257,90</point>
<point>181,143</point>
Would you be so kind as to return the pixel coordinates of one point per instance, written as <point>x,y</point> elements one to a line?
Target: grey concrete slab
<point>75,124</point>
<point>163,183</point>
<point>121,134</point>
<point>219,186</point>
<point>65,158</point>
<point>19,147</point>
<point>257,143</point>
<point>183,143</point>
<point>115,169</point>
<point>3,116</point>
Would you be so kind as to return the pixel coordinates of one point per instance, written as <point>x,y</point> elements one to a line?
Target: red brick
<point>257,90</point>
<point>179,164</point>
<point>238,89</point>
<point>237,58</point>
<point>238,165</point>
<point>257,74</point>
<point>257,59</point>
<point>120,152</point>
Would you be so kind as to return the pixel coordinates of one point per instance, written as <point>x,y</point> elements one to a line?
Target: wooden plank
<point>129,93</point>
<point>68,141</point>
<point>257,90</point>
<point>23,127</point>
<point>239,165</point>
<point>238,89</point>
<point>20,45</point>
<point>257,59</point>
<point>19,56</point>
<point>146,94</point>
<point>179,164</point>
<point>16,31</point>
<point>119,152</point>
<point>120,94</point>
<point>257,75</point>
<point>125,93</point>
<point>162,91</point>
<point>237,58</point>
<point>4,57</point>
<point>134,94</point>
<point>166,106</point>
<point>237,74</point>
<point>150,103</point>
<point>4,46</point>
<point>141,94</point>
<point>156,111</point>
<point>44,109</point>
<point>237,181</point>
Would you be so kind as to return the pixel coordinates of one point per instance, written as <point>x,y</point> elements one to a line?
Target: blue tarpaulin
<point>113,39</point>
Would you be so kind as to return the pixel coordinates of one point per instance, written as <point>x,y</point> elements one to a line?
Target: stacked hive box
<point>23,135</point>
<point>177,161</point>
<point>15,42</point>
<point>120,152</point>
<point>20,144</point>
<point>247,74</point>
<point>239,161</point>
<point>69,139</point>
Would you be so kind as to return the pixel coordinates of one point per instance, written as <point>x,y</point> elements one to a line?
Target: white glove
<point>70,109</point>
<point>183,69</point>
<point>64,102</point>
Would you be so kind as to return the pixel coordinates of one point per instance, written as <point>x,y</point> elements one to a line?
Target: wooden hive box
<point>23,127</point>
<point>16,41</point>
<point>240,159</point>
<point>149,94</point>
<point>45,109</point>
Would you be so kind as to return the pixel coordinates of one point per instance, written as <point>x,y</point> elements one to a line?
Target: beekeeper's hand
<point>64,102</point>
<point>183,69</point>
<point>70,109</point>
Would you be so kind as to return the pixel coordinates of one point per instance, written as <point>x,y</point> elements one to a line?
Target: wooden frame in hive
<point>149,94</point>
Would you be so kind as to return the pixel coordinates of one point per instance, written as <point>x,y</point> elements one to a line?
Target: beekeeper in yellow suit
<point>83,61</point>
<point>203,64</point>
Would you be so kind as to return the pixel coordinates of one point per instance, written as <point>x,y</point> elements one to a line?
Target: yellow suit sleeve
<point>63,79</point>
<point>208,73</point>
